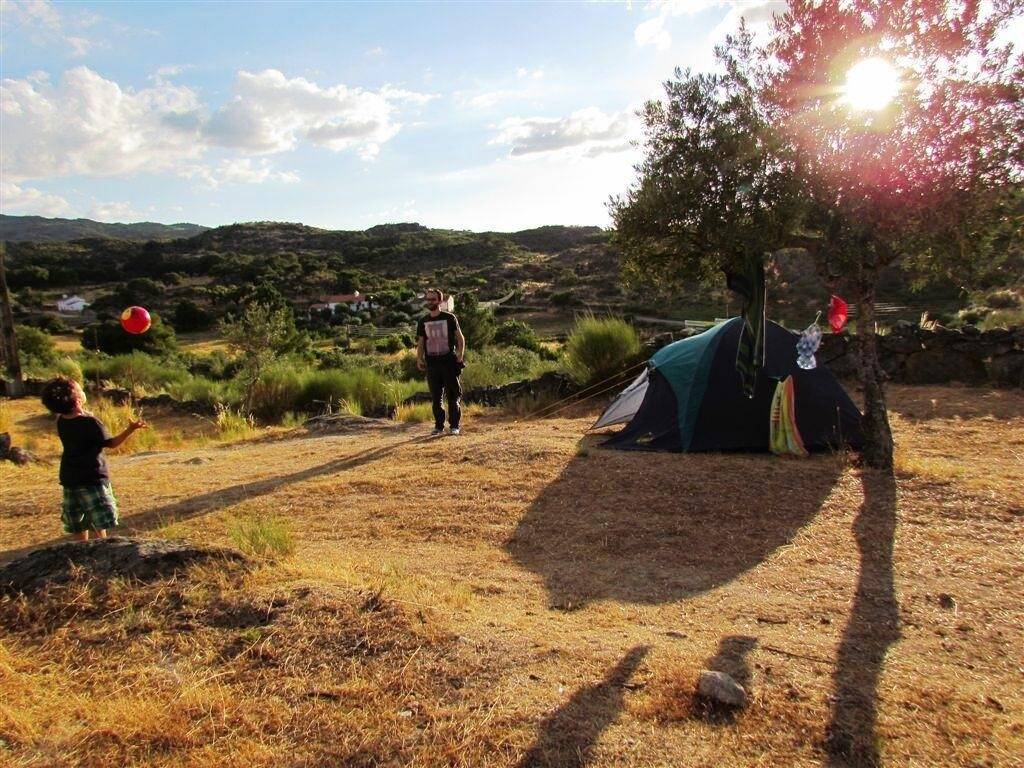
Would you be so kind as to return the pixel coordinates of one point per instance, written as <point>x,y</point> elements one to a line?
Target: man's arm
<point>421,353</point>
<point>460,343</point>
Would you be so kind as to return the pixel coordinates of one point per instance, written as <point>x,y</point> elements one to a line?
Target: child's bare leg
<point>81,535</point>
<point>101,534</point>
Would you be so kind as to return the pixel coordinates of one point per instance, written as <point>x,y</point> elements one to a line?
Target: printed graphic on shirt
<point>436,332</point>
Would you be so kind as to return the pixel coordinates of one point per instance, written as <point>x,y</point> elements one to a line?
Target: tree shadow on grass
<point>567,736</point>
<point>872,628</point>
<point>655,527</point>
<point>196,506</point>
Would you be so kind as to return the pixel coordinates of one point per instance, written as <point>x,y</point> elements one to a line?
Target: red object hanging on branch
<point>837,314</point>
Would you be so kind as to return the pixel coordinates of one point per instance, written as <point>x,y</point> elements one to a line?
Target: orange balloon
<point>135,320</point>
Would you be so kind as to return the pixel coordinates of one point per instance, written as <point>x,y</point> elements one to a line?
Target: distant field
<point>517,597</point>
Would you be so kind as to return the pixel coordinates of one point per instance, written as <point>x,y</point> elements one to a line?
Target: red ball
<point>135,320</point>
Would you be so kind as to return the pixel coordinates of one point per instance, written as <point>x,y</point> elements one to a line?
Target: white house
<point>355,301</point>
<point>448,305</point>
<point>71,305</point>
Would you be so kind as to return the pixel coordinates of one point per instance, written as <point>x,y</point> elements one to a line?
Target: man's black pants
<point>443,377</point>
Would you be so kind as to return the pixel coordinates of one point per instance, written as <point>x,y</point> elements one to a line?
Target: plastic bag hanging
<point>838,313</point>
<point>807,345</point>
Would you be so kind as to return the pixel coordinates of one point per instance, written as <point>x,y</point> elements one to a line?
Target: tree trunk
<point>8,340</point>
<point>878,446</point>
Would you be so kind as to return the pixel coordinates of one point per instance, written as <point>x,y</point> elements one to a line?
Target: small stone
<point>19,456</point>
<point>721,688</point>
<point>946,601</point>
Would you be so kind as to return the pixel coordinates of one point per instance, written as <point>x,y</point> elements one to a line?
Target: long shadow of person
<point>204,503</point>
<point>566,737</point>
<point>872,628</point>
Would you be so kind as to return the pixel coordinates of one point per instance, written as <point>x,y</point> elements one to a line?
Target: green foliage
<point>108,336</point>
<point>35,347</point>
<point>189,316</point>
<point>477,323</point>
<point>284,387</point>
<point>202,390</point>
<point>515,333</point>
<point>65,366</point>
<point>135,370</point>
<point>599,348</point>
<point>259,336</point>
<point>496,366</point>
<point>564,299</point>
<point>391,344</point>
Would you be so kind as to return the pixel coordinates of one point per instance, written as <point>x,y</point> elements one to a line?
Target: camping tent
<point>689,398</point>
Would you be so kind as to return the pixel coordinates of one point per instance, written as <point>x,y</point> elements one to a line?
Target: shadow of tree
<point>567,736</point>
<point>872,628</point>
<point>196,506</point>
<point>653,528</point>
<point>730,658</point>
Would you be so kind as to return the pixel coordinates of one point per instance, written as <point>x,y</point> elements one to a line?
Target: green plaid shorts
<point>88,507</point>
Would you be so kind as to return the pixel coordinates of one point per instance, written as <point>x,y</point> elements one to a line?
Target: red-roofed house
<point>356,301</point>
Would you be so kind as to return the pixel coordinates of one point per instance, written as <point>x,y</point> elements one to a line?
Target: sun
<point>871,84</point>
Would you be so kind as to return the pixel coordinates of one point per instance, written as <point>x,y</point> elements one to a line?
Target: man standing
<point>440,350</point>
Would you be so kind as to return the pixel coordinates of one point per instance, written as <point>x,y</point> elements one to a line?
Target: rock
<point>721,689</point>
<point>142,559</point>
<point>1007,369</point>
<point>5,443</point>
<point>345,424</point>
<point>947,601</point>
<point>940,367</point>
<point>116,395</point>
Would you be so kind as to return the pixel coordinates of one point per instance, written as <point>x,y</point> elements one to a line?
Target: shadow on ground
<point>196,506</point>
<point>566,737</point>
<point>872,628</point>
<point>654,527</point>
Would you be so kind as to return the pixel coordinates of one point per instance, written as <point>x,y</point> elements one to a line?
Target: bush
<point>137,370</point>
<point>494,367</point>
<point>599,348</point>
<point>515,333</point>
<point>202,390</point>
<point>108,336</point>
<point>477,324</point>
<point>564,299</point>
<point>278,389</point>
<point>65,366</point>
<point>189,316</point>
<point>35,346</point>
<point>1005,299</point>
<point>390,344</point>
<point>48,323</point>
<point>364,389</point>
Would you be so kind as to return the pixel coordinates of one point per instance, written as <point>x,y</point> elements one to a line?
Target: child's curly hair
<point>59,395</point>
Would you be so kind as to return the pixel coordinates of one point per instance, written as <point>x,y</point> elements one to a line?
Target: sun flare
<point>871,84</point>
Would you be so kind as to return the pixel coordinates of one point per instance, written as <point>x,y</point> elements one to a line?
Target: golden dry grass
<point>545,605</point>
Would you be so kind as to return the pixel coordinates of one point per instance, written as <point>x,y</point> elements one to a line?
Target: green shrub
<point>390,344</point>
<point>65,366</point>
<point>35,346</point>
<point>1004,299</point>
<point>262,536</point>
<point>202,390</point>
<point>278,389</point>
<point>364,389</point>
<point>135,370</point>
<point>496,366</point>
<point>599,348</point>
<point>108,336</point>
<point>515,333</point>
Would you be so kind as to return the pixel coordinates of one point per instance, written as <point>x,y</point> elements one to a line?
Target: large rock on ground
<point>142,559</point>
<point>722,689</point>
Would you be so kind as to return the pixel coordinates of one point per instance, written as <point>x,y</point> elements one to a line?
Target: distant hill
<point>39,229</point>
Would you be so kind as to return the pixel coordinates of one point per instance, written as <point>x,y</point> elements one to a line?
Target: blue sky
<point>468,115</point>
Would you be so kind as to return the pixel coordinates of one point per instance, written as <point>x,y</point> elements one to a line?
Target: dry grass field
<point>519,597</point>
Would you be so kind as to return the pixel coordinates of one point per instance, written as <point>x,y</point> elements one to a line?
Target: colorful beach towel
<point>785,436</point>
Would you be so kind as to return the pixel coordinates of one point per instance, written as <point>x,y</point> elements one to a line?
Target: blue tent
<point>689,398</point>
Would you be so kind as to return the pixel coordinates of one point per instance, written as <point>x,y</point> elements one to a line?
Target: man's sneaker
<point>436,431</point>
<point>456,431</point>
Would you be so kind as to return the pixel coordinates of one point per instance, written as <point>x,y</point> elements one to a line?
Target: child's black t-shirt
<point>82,462</point>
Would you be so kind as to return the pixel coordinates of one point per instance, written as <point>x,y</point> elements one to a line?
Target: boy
<point>89,502</point>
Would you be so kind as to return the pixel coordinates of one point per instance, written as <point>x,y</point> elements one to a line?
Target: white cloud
<point>272,113</point>
<point>88,125</point>
<point>112,212</point>
<point>29,201</point>
<point>523,73</point>
<point>375,51</point>
<point>589,130</point>
<point>44,24</point>
<point>237,171</point>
